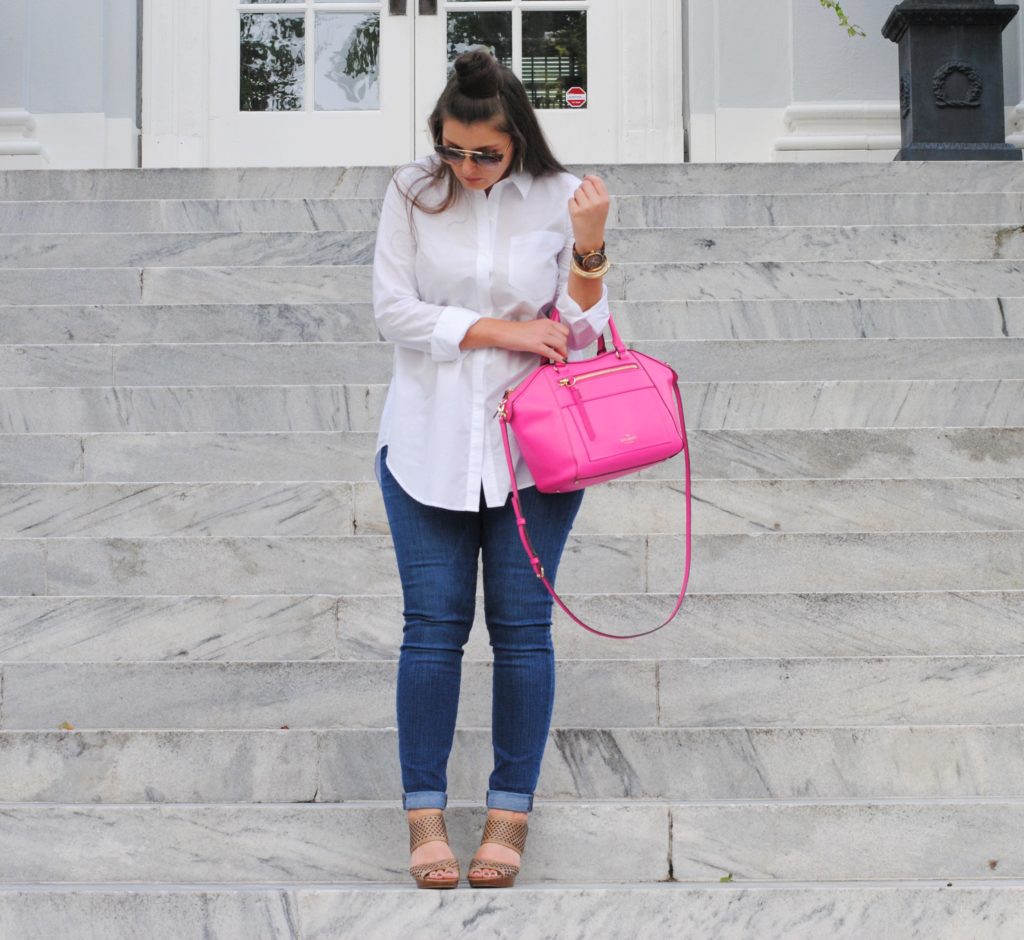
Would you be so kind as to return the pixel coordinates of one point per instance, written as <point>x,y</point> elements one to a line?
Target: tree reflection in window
<point>347,52</point>
<point>554,48</point>
<point>491,30</point>
<point>554,56</point>
<point>273,62</point>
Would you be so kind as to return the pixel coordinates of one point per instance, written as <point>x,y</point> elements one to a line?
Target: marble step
<point>762,563</point>
<point>781,625</point>
<point>262,182</point>
<point>328,322</point>
<point>672,210</point>
<point>880,318</point>
<point>940,910</point>
<point>915,208</point>
<point>131,510</point>
<point>227,183</point>
<point>753,243</point>
<point>359,627</point>
<point>188,249</point>
<point>823,405</point>
<point>977,316</point>
<point>873,453</point>
<point>292,364</point>
<point>768,280</point>
<point>331,766</point>
<point>655,841</point>
<point>751,507</point>
<point>591,693</point>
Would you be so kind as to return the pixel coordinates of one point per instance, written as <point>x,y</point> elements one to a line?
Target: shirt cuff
<point>449,331</point>
<point>585,326</point>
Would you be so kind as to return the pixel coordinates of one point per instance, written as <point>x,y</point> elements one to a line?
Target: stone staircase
<point>200,615</point>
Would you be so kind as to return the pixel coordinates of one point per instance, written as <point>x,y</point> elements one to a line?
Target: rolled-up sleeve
<point>401,316</point>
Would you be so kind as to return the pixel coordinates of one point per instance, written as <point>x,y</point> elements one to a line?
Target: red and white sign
<point>576,97</point>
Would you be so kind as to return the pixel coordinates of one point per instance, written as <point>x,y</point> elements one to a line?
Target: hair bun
<point>478,73</point>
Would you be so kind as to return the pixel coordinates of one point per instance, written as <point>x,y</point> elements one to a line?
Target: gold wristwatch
<point>593,264</point>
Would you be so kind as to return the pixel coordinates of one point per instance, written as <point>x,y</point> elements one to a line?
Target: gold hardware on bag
<point>573,379</point>
<point>501,412</point>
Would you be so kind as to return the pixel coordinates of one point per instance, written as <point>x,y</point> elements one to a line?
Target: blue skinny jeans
<point>437,552</point>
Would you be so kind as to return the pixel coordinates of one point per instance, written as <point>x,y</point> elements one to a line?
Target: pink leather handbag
<point>592,420</point>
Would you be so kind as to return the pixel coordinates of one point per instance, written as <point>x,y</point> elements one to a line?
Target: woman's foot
<point>495,851</point>
<point>434,851</point>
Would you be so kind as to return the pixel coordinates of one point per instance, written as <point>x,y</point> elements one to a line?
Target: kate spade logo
<point>628,439</point>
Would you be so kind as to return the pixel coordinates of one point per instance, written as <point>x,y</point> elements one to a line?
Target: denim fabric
<point>437,552</point>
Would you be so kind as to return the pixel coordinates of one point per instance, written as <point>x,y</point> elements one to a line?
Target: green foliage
<point>361,58</point>
<point>491,30</point>
<point>272,60</point>
<point>844,20</point>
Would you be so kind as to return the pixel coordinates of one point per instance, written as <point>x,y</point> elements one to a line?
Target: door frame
<point>646,125</point>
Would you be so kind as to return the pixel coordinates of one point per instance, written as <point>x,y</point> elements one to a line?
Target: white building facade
<point>158,83</point>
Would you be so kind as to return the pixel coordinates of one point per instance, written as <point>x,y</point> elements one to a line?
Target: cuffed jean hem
<point>513,802</point>
<point>425,799</point>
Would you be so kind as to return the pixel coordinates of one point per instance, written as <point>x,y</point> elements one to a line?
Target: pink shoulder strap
<point>535,560</point>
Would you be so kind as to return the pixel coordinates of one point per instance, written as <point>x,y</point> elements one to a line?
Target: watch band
<point>580,259</point>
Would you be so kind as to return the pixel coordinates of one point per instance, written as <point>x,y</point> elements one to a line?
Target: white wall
<point>68,69</point>
<point>780,80</point>
<point>19,146</point>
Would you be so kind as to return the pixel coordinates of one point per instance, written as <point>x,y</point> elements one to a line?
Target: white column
<point>19,147</point>
<point>701,49</point>
<point>1013,56</point>
<point>175,82</point>
<point>651,92</point>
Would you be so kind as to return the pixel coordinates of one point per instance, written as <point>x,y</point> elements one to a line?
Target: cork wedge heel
<point>510,832</point>
<point>431,828</point>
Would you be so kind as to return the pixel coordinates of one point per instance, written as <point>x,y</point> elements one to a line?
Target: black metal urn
<point>951,78</point>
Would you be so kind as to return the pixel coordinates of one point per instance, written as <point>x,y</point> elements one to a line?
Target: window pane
<point>493,30</point>
<point>273,62</point>
<point>554,56</point>
<point>346,76</point>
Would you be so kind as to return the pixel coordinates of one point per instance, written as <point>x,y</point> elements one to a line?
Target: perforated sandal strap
<point>421,871</point>
<point>510,832</point>
<point>486,864</point>
<point>427,829</point>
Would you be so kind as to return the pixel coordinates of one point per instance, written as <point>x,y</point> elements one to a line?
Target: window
<point>340,39</point>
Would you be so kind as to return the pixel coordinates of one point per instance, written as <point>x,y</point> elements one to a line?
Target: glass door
<point>317,83</point>
<point>563,52</point>
<point>310,83</point>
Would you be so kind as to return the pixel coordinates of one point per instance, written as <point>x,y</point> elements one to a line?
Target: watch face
<point>592,261</point>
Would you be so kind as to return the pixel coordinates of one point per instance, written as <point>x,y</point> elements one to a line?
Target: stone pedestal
<point>951,78</point>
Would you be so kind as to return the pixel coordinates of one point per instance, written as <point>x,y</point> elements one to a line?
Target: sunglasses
<point>479,157</point>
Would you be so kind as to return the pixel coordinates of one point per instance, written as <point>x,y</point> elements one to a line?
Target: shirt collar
<point>522,181</point>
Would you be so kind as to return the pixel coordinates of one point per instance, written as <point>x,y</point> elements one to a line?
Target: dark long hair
<point>481,89</point>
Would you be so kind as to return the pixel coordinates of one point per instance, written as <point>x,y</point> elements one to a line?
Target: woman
<point>475,245</point>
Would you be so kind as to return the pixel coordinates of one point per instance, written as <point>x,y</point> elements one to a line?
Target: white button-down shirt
<point>503,255</point>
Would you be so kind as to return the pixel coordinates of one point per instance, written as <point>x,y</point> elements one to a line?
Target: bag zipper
<point>573,379</point>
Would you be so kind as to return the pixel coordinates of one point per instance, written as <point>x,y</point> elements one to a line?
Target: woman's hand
<point>541,336</point>
<point>588,212</point>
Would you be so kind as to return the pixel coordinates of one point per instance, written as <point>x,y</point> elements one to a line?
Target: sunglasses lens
<point>452,155</point>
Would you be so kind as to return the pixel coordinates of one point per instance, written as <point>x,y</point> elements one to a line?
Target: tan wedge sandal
<point>510,832</point>
<point>431,828</point>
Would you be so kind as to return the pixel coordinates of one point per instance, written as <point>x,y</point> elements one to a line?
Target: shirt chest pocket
<point>533,264</point>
